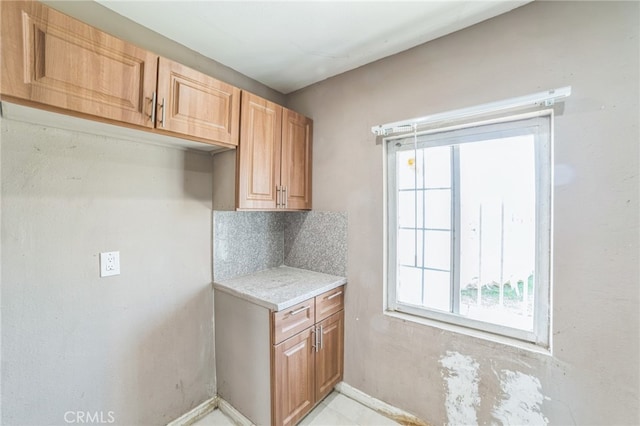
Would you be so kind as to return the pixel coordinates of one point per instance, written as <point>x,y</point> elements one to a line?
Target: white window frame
<point>543,122</point>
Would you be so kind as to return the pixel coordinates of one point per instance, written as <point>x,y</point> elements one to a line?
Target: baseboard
<point>196,413</point>
<point>381,407</point>
<point>233,414</point>
<point>387,410</point>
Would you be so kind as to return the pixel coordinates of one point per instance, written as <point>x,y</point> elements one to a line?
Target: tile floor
<point>334,410</point>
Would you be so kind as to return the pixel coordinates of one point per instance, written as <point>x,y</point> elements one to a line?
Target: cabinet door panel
<point>296,159</point>
<point>329,358</point>
<point>258,153</point>
<point>293,378</point>
<point>52,59</point>
<point>196,104</point>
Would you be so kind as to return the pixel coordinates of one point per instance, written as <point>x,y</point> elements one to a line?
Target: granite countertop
<point>280,288</point>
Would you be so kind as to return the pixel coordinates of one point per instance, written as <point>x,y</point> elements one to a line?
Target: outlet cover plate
<point>109,263</point>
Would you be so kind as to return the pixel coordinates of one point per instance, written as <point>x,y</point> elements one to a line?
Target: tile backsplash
<point>247,242</point>
<point>316,241</point>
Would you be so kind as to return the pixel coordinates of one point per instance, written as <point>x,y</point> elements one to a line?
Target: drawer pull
<point>297,311</point>
<point>334,295</point>
<point>315,339</point>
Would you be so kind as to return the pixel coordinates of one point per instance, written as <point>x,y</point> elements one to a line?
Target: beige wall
<point>139,344</point>
<point>592,377</point>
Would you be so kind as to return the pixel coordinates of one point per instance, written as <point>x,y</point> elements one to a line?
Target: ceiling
<point>288,45</point>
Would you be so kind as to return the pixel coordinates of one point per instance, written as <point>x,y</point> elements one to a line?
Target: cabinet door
<point>293,379</point>
<point>330,356</point>
<point>197,105</point>
<point>258,154</point>
<point>296,160</point>
<point>51,59</point>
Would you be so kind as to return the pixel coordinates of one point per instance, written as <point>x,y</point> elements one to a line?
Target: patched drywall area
<point>460,374</point>
<point>590,377</point>
<point>519,401</point>
<point>522,400</point>
<point>136,348</point>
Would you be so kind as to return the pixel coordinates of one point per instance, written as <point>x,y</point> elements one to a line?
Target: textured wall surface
<point>316,241</point>
<point>138,346</point>
<point>246,242</point>
<point>592,376</point>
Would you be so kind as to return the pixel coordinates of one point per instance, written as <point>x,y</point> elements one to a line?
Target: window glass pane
<point>409,165</point>
<point>438,167</point>
<point>406,209</point>
<point>437,250</point>
<point>497,231</point>
<point>408,242</point>
<point>438,209</point>
<point>437,289</point>
<point>409,289</point>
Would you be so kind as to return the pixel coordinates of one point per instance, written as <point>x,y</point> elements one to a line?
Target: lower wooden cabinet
<point>308,365</point>
<point>275,367</point>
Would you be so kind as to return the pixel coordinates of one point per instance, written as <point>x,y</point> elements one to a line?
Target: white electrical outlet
<point>109,263</point>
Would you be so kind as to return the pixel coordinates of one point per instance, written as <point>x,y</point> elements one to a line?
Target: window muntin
<point>473,206</point>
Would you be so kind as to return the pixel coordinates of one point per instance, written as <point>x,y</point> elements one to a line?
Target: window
<point>469,224</point>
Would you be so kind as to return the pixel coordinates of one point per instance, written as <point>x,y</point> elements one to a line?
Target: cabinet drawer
<point>329,303</point>
<point>293,320</point>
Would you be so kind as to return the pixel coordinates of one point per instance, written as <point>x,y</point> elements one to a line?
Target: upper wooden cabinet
<point>52,61</point>
<point>258,155</point>
<point>195,104</point>
<point>274,157</point>
<point>295,171</point>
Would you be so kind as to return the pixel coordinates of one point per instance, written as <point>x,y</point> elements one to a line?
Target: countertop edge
<point>282,305</point>
<point>245,296</point>
<point>289,303</point>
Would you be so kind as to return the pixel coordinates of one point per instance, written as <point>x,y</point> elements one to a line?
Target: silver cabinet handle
<point>286,198</point>
<point>315,339</point>
<point>297,311</point>
<point>321,338</point>
<point>334,295</point>
<point>163,112</point>
<point>154,105</point>
<point>278,196</point>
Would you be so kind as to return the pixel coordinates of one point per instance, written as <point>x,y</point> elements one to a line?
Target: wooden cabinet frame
<point>54,62</point>
<point>306,366</point>
<point>274,157</point>
<point>267,366</point>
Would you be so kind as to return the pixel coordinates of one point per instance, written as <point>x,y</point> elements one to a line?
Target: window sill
<point>478,334</point>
